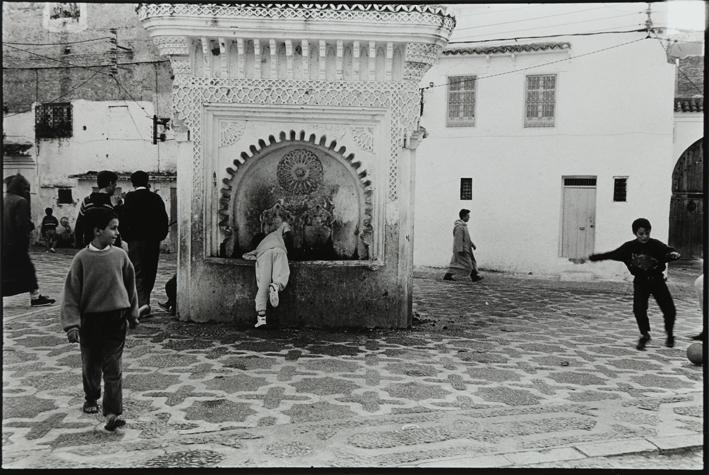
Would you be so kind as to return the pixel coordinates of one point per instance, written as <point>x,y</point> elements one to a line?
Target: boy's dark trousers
<point>643,287</point>
<point>102,336</point>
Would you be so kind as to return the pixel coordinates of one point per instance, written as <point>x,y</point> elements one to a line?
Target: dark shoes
<point>168,307</point>
<point>670,341</point>
<point>41,301</point>
<point>476,277</point>
<point>90,407</point>
<point>113,422</point>
<point>643,341</point>
<point>448,277</point>
<point>699,337</point>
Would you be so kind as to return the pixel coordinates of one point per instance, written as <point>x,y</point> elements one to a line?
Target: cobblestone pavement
<point>511,371</point>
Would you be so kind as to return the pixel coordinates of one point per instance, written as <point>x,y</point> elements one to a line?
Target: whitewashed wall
<point>689,127</point>
<point>613,118</point>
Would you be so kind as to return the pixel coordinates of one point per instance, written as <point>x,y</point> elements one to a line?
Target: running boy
<point>49,229</point>
<point>645,258</point>
<point>99,296</point>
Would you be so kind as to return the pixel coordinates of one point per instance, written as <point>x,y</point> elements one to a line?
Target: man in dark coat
<point>143,224</point>
<point>18,273</point>
<point>106,181</point>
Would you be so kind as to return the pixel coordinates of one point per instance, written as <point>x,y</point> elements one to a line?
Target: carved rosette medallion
<point>300,172</point>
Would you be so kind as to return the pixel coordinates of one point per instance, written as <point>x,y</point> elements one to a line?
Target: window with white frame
<point>461,101</point>
<point>540,100</point>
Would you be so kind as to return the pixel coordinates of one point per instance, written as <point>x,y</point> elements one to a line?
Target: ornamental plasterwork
<point>422,52</point>
<point>364,137</point>
<point>189,95</point>
<point>369,13</point>
<point>300,171</point>
<point>231,132</point>
<point>172,45</point>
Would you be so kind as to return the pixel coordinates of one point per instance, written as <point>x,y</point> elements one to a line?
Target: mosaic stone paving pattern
<point>511,363</point>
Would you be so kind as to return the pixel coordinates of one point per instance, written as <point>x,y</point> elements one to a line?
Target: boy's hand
<point>133,323</point>
<point>674,255</point>
<point>73,335</point>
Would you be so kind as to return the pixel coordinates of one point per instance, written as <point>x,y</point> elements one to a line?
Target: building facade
<point>554,146</point>
<point>81,84</point>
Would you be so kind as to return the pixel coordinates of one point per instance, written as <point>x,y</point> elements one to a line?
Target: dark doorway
<point>687,204</point>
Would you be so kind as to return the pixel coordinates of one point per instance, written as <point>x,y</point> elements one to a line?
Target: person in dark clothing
<point>170,305</point>
<point>645,258</point>
<point>49,229</point>
<point>18,272</point>
<point>144,224</point>
<point>106,181</point>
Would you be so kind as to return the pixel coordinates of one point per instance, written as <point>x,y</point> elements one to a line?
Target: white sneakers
<point>273,299</point>
<point>273,294</point>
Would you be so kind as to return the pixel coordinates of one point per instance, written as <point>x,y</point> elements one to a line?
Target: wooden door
<point>687,203</point>
<point>578,217</point>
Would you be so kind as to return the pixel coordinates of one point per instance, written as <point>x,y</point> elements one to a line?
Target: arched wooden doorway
<point>687,204</point>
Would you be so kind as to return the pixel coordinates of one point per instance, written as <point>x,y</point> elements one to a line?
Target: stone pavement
<point>514,371</point>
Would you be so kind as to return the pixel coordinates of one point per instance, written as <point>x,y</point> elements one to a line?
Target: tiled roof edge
<point>501,49</point>
<point>689,104</point>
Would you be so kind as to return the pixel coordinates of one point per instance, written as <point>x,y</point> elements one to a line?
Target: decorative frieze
<point>172,45</point>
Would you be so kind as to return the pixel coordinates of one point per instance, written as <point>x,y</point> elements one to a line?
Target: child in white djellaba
<point>272,269</point>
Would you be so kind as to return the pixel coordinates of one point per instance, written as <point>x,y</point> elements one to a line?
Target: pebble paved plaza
<point>513,371</point>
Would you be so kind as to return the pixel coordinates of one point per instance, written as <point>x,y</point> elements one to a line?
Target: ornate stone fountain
<point>309,113</point>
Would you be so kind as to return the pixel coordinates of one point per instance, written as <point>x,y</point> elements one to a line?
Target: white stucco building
<point>555,146</point>
<point>89,136</point>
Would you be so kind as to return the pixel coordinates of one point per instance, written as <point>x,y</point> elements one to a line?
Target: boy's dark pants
<point>643,287</point>
<point>102,336</point>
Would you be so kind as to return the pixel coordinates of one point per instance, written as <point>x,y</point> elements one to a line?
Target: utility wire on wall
<point>547,63</point>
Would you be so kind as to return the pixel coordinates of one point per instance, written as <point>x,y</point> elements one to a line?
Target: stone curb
<point>660,445</point>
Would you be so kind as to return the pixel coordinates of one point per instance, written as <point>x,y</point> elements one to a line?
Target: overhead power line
<point>543,27</point>
<point>528,19</point>
<point>88,66</point>
<point>547,63</point>
<point>56,44</point>
<point>65,94</point>
<point>545,36</point>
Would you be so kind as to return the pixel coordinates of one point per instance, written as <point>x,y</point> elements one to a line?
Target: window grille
<point>64,196</point>
<point>620,189</point>
<point>461,101</point>
<point>466,188</point>
<point>541,100</point>
<point>53,120</point>
<point>579,182</point>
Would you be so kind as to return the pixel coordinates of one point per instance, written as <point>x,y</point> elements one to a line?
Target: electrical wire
<point>543,27</point>
<point>528,19</point>
<point>56,44</point>
<point>131,97</point>
<point>546,36</point>
<point>547,63</point>
<point>690,81</point>
<point>63,95</point>
<point>88,66</point>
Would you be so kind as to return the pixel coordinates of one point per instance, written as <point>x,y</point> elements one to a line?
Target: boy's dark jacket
<point>642,260</point>
<point>143,217</point>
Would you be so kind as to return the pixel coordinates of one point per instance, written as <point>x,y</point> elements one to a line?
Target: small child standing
<point>49,229</point>
<point>99,297</point>
<point>645,259</point>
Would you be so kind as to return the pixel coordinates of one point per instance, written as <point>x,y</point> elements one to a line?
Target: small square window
<point>620,189</point>
<point>64,196</point>
<point>466,188</point>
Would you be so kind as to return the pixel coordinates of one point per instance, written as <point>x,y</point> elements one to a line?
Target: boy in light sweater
<point>100,297</point>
